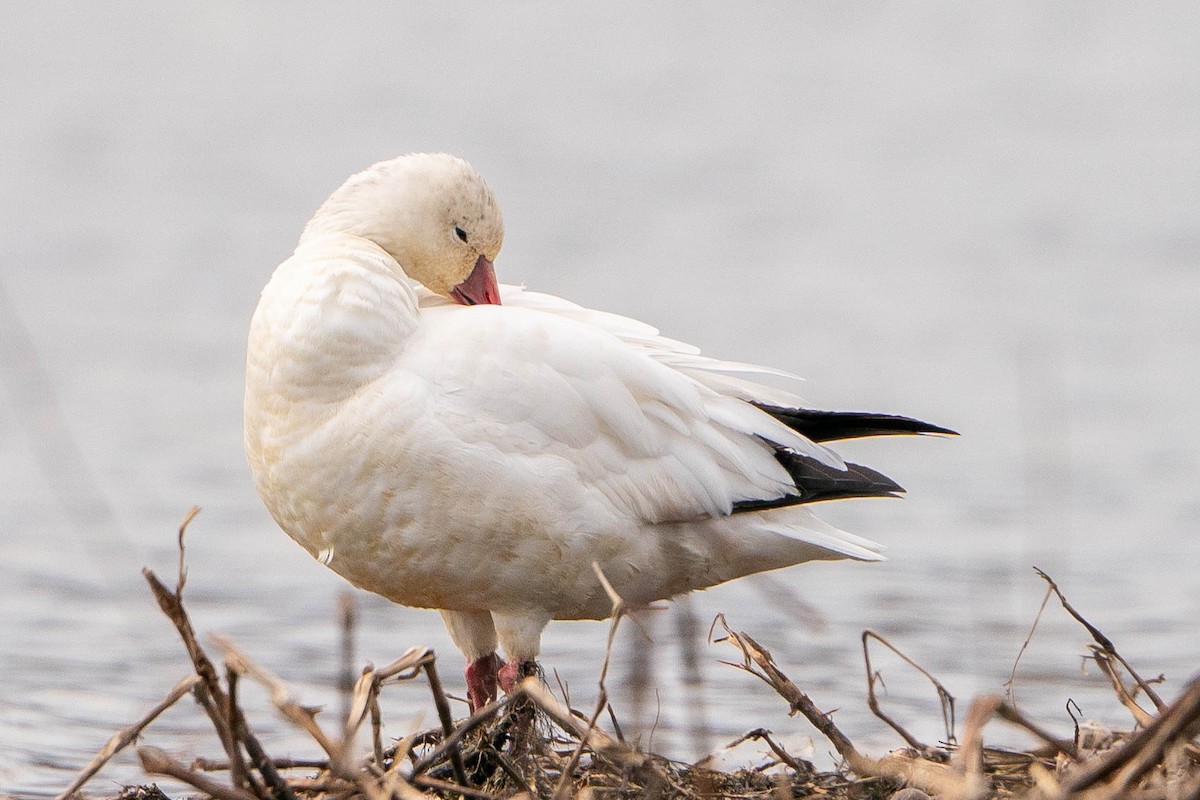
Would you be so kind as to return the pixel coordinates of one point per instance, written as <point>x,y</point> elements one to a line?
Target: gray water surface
<point>985,215</point>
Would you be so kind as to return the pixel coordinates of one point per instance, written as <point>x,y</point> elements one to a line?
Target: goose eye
<point>460,233</point>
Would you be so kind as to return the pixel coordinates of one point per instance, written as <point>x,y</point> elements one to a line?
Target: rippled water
<point>987,217</point>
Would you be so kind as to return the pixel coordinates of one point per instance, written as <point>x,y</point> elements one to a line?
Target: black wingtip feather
<point>829,426</point>
<point>816,482</point>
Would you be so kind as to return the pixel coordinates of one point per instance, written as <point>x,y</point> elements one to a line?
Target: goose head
<point>432,213</point>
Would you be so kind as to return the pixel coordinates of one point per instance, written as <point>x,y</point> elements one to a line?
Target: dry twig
<point>125,736</point>
<point>1142,751</point>
<point>157,762</point>
<point>1158,762</point>
<point>1011,684</point>
<point>619,610</point>
<point>1105,643</point>
<point>209,691</point>
<point>944,697</point>
<point>933,777</point>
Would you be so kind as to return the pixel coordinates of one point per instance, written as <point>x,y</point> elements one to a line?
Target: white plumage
<point>478,458</point>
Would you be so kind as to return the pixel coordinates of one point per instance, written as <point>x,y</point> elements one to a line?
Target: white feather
<point>480,459</point>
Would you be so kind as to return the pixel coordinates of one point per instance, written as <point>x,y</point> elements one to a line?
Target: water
<point>982,215</point>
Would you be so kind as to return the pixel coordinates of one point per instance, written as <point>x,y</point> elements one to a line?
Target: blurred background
<point>986,215</point>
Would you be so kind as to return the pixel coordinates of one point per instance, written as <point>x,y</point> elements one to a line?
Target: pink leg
<point>514,672</point>
<point>481,680</point>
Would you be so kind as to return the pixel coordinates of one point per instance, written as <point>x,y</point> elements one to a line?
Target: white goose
<point>453,444</point>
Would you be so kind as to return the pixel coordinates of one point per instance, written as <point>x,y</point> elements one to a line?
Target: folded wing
<point>661,432</point>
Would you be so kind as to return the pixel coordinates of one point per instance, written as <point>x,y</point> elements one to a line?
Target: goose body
<point>454,444</point>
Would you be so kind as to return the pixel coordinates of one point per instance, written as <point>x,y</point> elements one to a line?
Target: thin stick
<point>762,734</point>
<point>1104,661</point>
<point>376,728</point>
<point>970,754</point>
<point>562,790</point>
<point>508,769</point>
<point>218,765</point>
<point>1010,685</point>
<point>689,635</point>
<point>618,603</point>
<point>1011,713</point>
<point>1104,642</point>
<point>365,692</point>
<point>281,696</point>
<point>400,750</point>
<point>237,769</point>
<point>265,765</point>
<point>612,717</point>
<point>443,709</point>
<point>946,699</point>
<point>1178,725</point>
<point>920,772</point>
<point>618,612</point>
<point>563,688</point>
<point>603,744</point>
<point>157,762</point>
<point>302,716</point>
<point>123,737</point>
<point>181,576</point>
<point>217,702</point>
<point>753,652</point>
<point>209,691</point>
<point>407,666</point>
<point>394,785</point>
<point>348,617</point>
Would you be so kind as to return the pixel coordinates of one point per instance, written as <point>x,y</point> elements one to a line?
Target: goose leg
<point>520,635</point>
<point>513,672</point>
<point>475,636</point>
<point>481,680</point>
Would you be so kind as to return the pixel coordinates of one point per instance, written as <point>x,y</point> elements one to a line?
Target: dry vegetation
<point>531,744</point>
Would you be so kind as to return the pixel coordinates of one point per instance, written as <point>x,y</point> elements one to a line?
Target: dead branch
<point>945,698</point>
<point>215,702</point>
<point>122,738</point>
<point>915,771</point>
<point>970,754</point>
<point>209,692</point>
<point>754,654</point>
<point>1012,714</point>
<point>157,762</point>
<point>364,693</point>
<point>237,770</point>
<point>1011,685</point>
<point>600,742</point>
<point>1105,643</point>
<point>1146,748</point>
<point>762,734</point>
<point>281,697</point>
<point>618,612</point>
<point>1159,762</point>
<point>1105,662</point>
<point>347,623</point>
<point>221,765</point>
<point>443,709</point>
